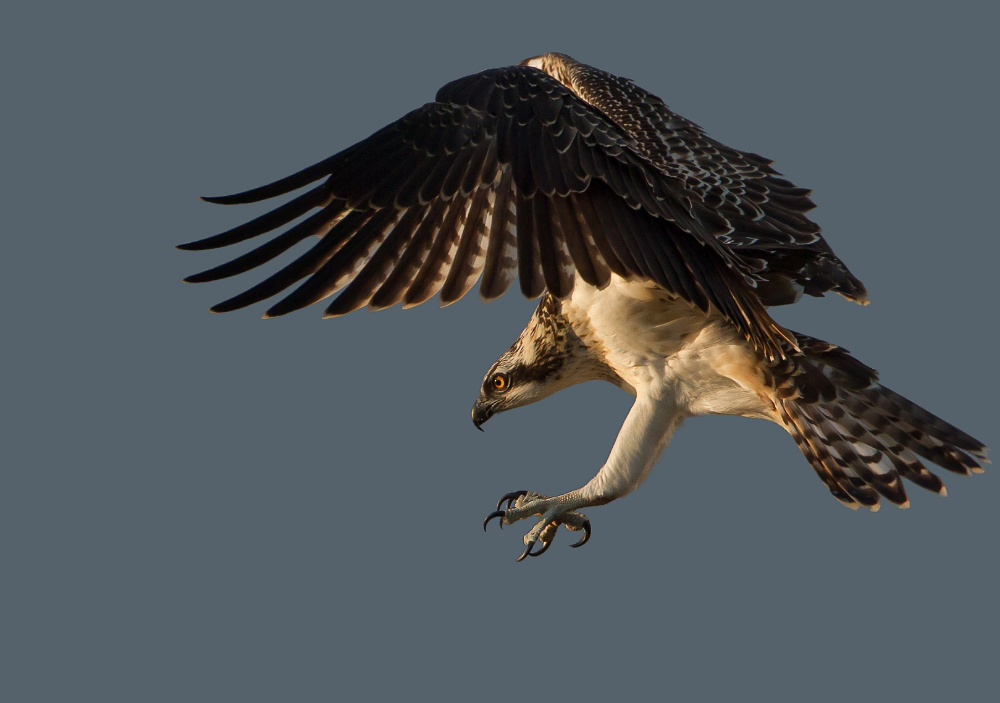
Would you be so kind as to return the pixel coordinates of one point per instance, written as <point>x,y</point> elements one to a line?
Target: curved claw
<point>586,535</point>
<point>540,552</point>
<point>496,513</point>
<point>527,551</point>
<point>510,498</point>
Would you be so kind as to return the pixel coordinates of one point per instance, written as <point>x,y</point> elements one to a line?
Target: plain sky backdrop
<point>209,507</point>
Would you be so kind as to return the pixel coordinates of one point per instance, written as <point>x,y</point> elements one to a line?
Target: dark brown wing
<point>768,229</point>
<point>507,172</point>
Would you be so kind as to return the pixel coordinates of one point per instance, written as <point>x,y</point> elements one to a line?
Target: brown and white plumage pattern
<point>860,437</point>
<point>763,213</point>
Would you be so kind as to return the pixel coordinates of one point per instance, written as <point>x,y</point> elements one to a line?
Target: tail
<point>860,437</point>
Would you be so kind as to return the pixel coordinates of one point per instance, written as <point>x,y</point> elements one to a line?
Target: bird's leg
<point>643,436</point>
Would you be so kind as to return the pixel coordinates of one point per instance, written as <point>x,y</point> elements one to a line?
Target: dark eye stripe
<point>536,373</point>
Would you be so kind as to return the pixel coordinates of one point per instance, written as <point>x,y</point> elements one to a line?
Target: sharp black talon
<point>540,552</point>
<point>498,513</point>
<point>510,498</point>
<point>527,551</point>
<point>586,535</point>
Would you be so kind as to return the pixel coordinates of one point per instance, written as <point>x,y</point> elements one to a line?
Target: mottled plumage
<point>657,249</point>
<point>860,436</point>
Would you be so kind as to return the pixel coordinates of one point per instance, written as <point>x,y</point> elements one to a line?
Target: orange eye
<point>499,382</point>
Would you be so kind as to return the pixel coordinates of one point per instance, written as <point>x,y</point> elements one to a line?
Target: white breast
<point>663,346</point>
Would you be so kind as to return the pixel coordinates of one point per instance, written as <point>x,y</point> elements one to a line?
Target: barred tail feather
<point>860,437</point>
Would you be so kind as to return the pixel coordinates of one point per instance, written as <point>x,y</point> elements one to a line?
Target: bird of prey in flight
<point>656,251</point>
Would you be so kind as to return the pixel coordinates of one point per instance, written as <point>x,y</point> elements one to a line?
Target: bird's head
<point>547,356</point>
<point>511,383</point>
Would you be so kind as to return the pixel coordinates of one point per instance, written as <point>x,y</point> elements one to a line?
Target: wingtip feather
<point>234,199</point>
<point>200,277</point>
<point>196,245</point>
<point>230,305</point>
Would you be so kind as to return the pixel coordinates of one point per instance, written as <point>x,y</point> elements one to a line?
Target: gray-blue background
<point>201,507</point>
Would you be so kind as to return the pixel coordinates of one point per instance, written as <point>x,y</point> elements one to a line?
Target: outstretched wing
<point>507,174</point>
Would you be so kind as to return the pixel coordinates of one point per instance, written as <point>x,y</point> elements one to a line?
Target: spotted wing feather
<point>763,213</point>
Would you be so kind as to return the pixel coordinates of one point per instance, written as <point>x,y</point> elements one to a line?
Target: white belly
<point>664,347</point>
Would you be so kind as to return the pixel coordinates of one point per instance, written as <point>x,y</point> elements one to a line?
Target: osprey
<point>655,249</point>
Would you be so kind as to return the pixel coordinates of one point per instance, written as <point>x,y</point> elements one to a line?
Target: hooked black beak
<point>480,414</point>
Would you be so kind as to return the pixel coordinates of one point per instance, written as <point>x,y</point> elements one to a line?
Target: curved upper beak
<point>480,414</point>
